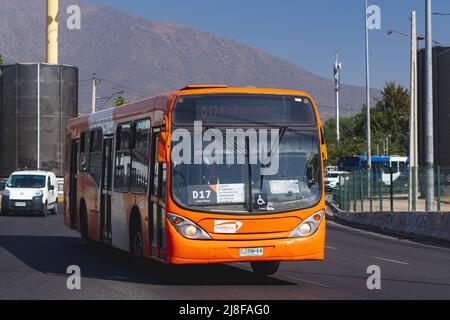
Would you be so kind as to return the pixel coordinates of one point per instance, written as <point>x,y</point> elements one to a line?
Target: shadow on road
<point>53,254</point>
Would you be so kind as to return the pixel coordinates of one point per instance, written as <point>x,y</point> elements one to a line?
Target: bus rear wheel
<point>136,245</point>
<point>84,230</point>
<point>265,268</point>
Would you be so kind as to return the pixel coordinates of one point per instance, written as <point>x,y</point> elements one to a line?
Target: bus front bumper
<point>184,251</point>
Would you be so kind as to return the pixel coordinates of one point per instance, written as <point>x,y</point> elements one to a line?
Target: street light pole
<point>337,80</point>
<point>387,144</point>
<point>413,152</point>
<point>429,137</point>
<point>369,151</point>
<point>94,93</point>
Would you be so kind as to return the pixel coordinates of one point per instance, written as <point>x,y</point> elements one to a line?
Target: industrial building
<point>36,102</point>
<point>441,97</point>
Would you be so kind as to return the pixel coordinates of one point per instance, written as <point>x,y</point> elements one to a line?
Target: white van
<point>30,192</point>
<point>332,179</point>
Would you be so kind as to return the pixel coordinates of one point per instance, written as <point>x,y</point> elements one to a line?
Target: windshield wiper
<point>282,132</point>
<point>281,136</point>
<point>250,187</point>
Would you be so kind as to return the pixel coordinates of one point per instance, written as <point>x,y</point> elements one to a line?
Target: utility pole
<point>94,92</point>
<point>413,152</point>
<point>38,164</point>
<point>429,138</point>
<point>337,81</point>
<point>369,146</point>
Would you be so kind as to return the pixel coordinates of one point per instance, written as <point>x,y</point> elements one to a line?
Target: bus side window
<point>67,153</point>
<point>155,175</point>
<point>95,155</point>
<point>83,165</point>
<point>402,166</point>
<point>140,156</point>
<point>159,175</point>
<point>163,167</point>
<point>395,167</point>
<point>123,158</point>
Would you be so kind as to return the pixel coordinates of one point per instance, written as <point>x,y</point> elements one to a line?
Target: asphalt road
<point>36,251</point>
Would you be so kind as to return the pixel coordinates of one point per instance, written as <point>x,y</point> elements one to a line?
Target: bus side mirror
<point>162,144</point>
<point>323,150</point>
<point>323,146</point>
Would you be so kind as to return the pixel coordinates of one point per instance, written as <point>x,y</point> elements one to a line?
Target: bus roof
<point>162,102</point>
<point>210,89</point>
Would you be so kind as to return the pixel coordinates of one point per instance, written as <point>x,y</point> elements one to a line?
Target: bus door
<point>106,188</point>
<point>157,199</point>
<point>73,182</point>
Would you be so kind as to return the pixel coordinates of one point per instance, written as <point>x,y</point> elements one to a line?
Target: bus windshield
<point>245,188</point>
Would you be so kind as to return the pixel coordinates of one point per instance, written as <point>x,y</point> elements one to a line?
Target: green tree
<point>389,118</point>
<point>1,59</point>
<point>119,101</point>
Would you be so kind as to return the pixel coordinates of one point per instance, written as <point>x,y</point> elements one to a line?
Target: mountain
<point>145,57</point>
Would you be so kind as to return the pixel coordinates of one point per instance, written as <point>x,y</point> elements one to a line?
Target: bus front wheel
<point>265,268</point>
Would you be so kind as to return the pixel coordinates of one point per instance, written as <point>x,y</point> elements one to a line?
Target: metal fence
<point>387,191</point>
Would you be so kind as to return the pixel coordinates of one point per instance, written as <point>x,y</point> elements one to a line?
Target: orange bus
<point>130,185</point>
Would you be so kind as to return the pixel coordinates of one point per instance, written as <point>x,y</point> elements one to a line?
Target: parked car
<point>332,179</point>
<point>30,192</point>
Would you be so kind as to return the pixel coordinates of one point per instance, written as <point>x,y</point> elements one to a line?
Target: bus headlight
<point>187,228</point>
<point>309,226</point>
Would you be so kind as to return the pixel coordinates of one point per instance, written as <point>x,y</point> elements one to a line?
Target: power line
<point>131,92</point>
<point>138,91</point>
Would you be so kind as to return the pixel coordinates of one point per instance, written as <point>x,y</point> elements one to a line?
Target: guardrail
<point>432,225</point>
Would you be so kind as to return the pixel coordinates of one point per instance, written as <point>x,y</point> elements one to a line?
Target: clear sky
<point>306,32</point>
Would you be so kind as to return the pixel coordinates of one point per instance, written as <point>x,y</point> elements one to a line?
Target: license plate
<point>251,252</point>
<point>20,204</point>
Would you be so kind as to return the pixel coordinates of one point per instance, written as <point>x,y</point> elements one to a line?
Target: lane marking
<point>291,278</point>
<point>390,260</point>
<point>362,231</point>
<point>403,241</point>
<point>331,248</point>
